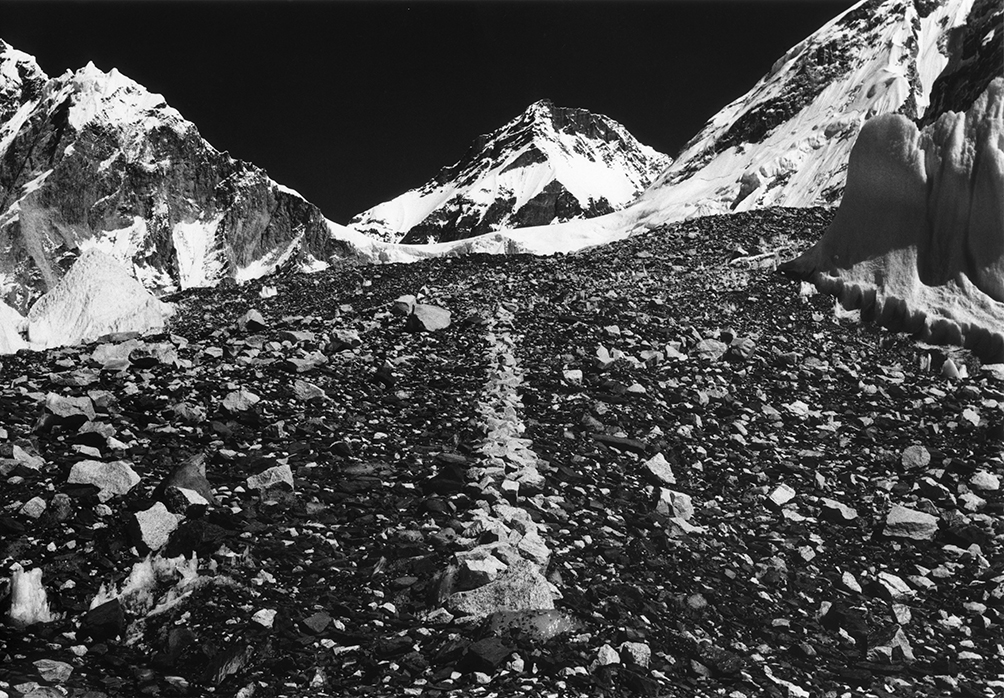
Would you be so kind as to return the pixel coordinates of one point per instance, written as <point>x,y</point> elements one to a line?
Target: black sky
<point>352,103</point>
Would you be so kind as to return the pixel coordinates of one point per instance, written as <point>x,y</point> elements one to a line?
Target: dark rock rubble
<point>655,468</point>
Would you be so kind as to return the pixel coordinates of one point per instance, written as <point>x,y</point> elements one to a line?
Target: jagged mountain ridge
<point>549,164</point>
<point>92,159</point>
<point>787,141</point>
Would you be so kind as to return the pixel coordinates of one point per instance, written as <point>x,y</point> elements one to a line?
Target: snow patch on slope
<point>200,263</point>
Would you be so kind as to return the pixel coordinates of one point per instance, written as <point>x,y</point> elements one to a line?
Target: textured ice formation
<point>918,241</point>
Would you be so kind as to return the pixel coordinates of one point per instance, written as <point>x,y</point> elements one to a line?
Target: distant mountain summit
<point>92,159</point>
<point>787,141</point>
<point>548,165</point>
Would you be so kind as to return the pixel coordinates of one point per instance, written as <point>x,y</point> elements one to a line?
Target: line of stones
<point>506,573</point>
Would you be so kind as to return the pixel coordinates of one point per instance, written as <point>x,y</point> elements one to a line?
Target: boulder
<point>252,322</point>
<point>428,318</point>
<point>903,522</point>
<point>151,529</point>
<point>404,305</point>
<point>111,479</point>
<point>657,468</point>
<point>276,476</point>
<point>190,475</point>
<point>675,505</point>
<point>522,587</point>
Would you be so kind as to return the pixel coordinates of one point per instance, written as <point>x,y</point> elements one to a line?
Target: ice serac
<point>93,159</point>
<point>12,326</point>
<point>918,241</point>
<point>549,164</point>
<point>97,296</point>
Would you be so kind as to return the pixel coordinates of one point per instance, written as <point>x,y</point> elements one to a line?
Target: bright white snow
<point>918,241</point>
<point>97,296</point>
<point>588,168</point>
<point>12,324</point>
<point>200,261</point>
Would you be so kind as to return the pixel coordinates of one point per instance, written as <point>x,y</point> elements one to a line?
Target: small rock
<point>893,588</point>
<point>33,508</point>
<point>986,481</point>
<point>478,571</point>
<point>68,407</point>
<point>486,655</point>
<point>894,647</point>
<point>637,653</point>
<point>675,504</point>
<point>104,622</point>
<point>741,348</point>
<point>317,622</point>
<point>850,583</point>
<point>185,502</point>
<point>781,495</point>
<point>297,336</point>
<point>61,506</point>
<point>307,391</point>
<point>710,349</point>
<point>915,456</point>
<point>272,477</point>
<point>833,510</point>
<point>950,370</point>
<point>534,548</point>
<point>404,305</point>
<point>970,501</point>
<point>428,318</point>
<point>572,376</point>
<point>240,401</point>
<point>903,522</point>
<point>342,339</point>
<point>252,321</point>
<point>53,671</point>
<point>658,468</point>
<point>111,479</point>
<point>190,474</point>
<point>153,527</point>
<point>605,656</point>
<point>264,617</point>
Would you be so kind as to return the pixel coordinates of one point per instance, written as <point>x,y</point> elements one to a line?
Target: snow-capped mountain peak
<point>549,164</point>
<point>787,140</point>
<point>92,159</point>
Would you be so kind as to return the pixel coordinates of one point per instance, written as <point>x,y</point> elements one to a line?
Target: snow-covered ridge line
<point>549,164</point>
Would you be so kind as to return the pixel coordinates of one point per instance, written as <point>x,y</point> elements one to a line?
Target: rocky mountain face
<point>550,164</point>
<point>92,159</point>
<point>787,141</point>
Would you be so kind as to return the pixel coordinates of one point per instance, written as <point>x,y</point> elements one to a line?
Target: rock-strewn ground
<point>730,491</point>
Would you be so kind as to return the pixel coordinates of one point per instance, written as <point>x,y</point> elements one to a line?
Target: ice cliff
<point>918,241</point>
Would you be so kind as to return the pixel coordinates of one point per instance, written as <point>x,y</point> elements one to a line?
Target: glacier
<point>918,241</point>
